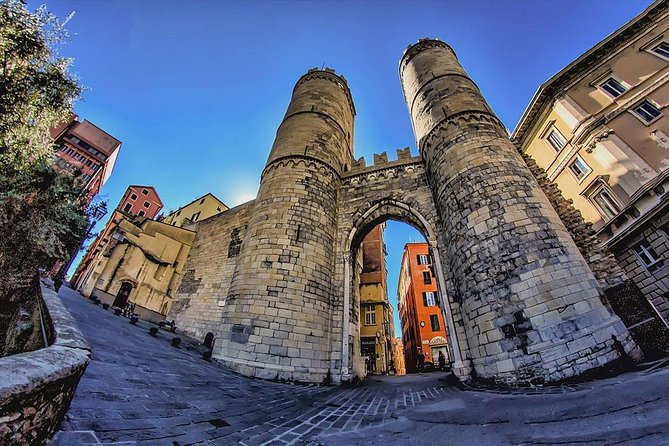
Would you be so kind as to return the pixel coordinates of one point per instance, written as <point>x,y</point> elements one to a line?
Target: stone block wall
<point>36,388</point>
<point>200,298</point>
<point>277,314</point>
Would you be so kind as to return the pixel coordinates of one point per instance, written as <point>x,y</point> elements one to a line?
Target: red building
<point>140,201</point>
<point>84,146</point>
<point>137,202</point>
<point>423,327</point>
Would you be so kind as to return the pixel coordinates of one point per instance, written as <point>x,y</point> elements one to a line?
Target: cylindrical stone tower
<point>524,297</point>
<point>277,313</point>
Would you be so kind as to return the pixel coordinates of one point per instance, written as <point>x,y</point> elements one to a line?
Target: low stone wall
<point>36,388</point>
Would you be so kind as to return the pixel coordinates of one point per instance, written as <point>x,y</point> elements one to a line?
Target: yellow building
<point>398,357</point>
<point>376,313</point>
<point>598,128</point>
<point>143,264</point>
<point>198,209</point>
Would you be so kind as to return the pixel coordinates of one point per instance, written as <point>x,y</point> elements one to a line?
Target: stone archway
<point>368,217</point>
<point>524,304</point>
<point>123,293</point>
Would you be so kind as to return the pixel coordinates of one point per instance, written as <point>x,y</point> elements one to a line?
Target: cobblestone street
<point>140,390</point>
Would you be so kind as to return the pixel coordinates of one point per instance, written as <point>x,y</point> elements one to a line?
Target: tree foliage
<point>42,210</point>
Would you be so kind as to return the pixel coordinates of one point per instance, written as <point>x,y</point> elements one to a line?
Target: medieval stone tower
<point>278,308</point>
<point>273,279</point>
<point>528,299</point>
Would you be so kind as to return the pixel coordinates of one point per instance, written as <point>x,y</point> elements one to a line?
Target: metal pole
<point>41,320</point>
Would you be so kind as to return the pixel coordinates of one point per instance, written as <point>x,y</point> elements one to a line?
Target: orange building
<point>137,201</point>
<point>83,146</point>
<point>423,327</point>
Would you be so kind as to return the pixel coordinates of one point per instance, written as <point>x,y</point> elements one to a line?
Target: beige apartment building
<point>600,129</point>
<point>143,264</point>
<point>199,209</point>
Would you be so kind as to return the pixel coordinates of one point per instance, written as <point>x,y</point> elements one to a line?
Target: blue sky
<point>195,90</point>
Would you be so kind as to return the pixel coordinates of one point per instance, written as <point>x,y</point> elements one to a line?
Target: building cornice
<point>654,186</point>
<point>590,60</point>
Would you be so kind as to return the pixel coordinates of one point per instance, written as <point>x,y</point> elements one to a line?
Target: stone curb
<point>36,387</point>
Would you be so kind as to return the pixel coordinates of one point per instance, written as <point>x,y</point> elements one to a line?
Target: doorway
<point>122,296</point>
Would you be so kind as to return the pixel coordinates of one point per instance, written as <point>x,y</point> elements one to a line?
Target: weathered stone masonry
<point>521,303</point>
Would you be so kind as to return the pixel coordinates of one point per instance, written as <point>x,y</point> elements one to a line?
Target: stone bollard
<point>206,355</point>
<point>176,342</point>
<point>118,311</point>
<point>105,306</point>
<point>153,331</point>
<point>133,319</point>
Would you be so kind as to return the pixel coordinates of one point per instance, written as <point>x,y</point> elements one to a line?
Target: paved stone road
<point>140,390</point>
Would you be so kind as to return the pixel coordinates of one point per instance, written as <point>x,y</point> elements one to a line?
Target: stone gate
<point>273,279</point>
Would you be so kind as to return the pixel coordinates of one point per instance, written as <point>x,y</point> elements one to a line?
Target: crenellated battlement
<point>381,161</point>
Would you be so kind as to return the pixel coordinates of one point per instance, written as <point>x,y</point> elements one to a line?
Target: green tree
<point>42,210</point>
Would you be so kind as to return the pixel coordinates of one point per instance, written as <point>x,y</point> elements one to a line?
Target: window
<point>96,166</point>
<point>613,87</point>
<point>370,316</point>
<point>141,213</point>
<point>160,272</point>
<point>75,140</point>
<point>195,216</point>
<point>145,192</point>
<point>202,201</point>
<point>426,278</point>
<point>429,299</point>
<point>133,196</point>
<point>89,162</point>
<point>647,256</point>
<point>556,140</point>
<point>146,204</point>
<point>665,230</point>
<point>662,49</point>
<point>434,322</point>
<point>579,168</point>
<point>423,259</point>
<point>127,207</point>
<point>605,202</point>
<point>647,111</point>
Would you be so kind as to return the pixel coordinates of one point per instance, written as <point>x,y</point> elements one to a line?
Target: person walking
<point>421,362</point>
